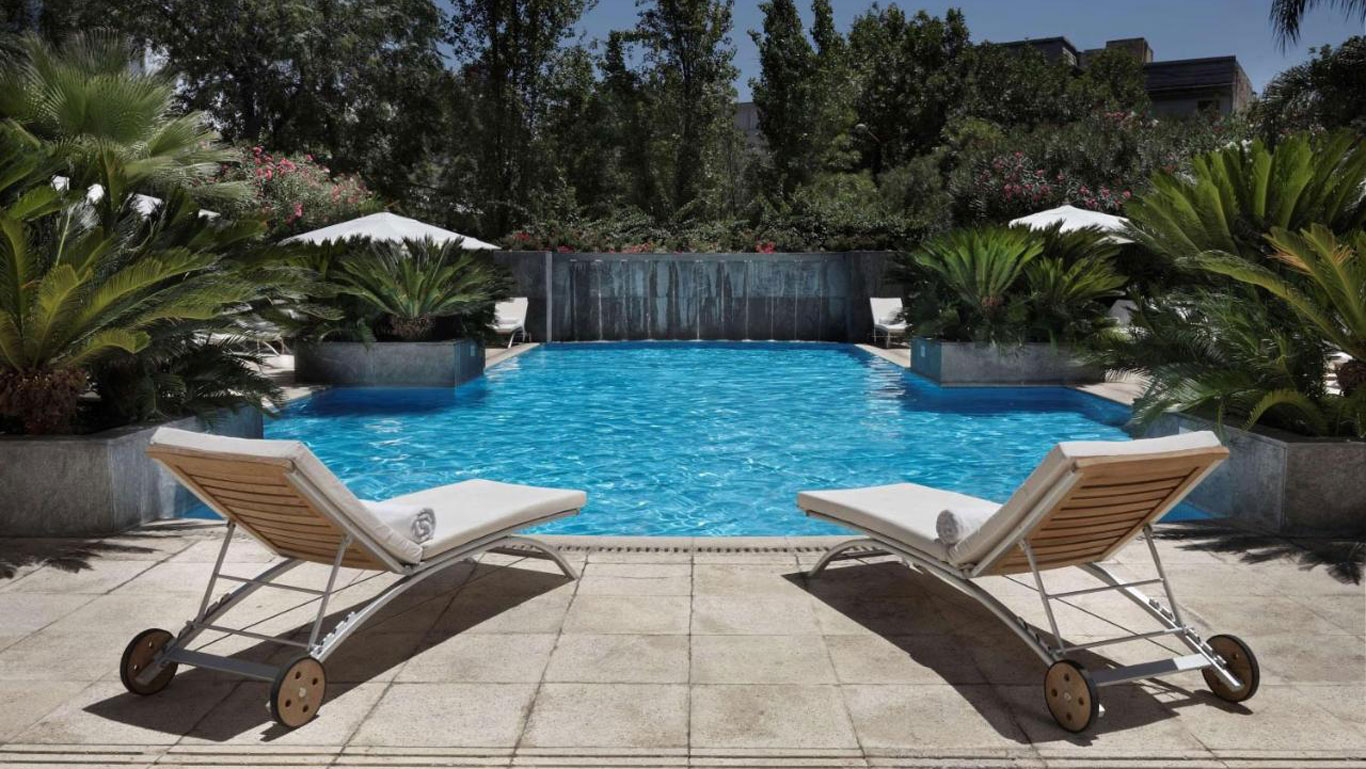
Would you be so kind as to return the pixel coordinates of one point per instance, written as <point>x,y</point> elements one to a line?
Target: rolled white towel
<point>955,524</point>
<point>414,521</point>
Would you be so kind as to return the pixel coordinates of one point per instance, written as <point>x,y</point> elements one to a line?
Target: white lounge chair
<point>887,318</point>
<point>1084,502</point>
<point>283,496</point>
<point>510,318</point>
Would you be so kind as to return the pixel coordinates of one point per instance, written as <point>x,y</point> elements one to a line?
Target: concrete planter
<point>1282,482</point>
<point>423,364</point>
<point>80,485</point>
<point>966,363</point>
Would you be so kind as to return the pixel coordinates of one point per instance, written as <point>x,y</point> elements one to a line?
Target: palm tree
<point>412,283</point>
<point>90,97</point>
<point>83,281</point>
<point>1327,289</point>
<point>1286,15</point>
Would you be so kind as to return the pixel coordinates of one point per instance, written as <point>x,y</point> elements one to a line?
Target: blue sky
<point>1176,29</point>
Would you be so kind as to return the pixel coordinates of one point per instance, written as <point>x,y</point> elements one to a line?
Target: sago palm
<point>74,290</point>
<point>1327,288</point>
<point>90,97</point>
<point>1232,197</point>
<point>979,265</point>
<point>412,283</point>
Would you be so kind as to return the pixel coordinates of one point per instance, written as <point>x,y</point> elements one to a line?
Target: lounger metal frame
<point>961,579</point>
<point>318,645</point>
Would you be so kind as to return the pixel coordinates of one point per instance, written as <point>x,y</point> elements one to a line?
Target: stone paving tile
<point>1242,615</point>
<point>1294,658</point>
<point>99,579</point>
<point>28,701</point>
<point>628,614</point>
<point>912,659</point>
<point>477,612</point>
<point>743,579</point>
<point>584,658</point>
<point>759,659</point>
<point>946,716</point>
<point>371,656</point>
<point>105,714</point>
<point>242,717</point>
<point>469,715</point>
<point>760,615</point>
<point>118,612</point>
<point>492,657</point>
<point>242,550</point>
<point>617,715</point>
<point>57,655</point>
<point>636,579</point>
<point>1134,720</point>
<point>868,652</point>
<point>27,612</point>
<point>1278,718</point>
<point>779,716</point>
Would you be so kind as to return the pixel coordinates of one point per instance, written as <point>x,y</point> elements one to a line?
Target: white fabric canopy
<point>388,227</point>
<point>1074,218</point>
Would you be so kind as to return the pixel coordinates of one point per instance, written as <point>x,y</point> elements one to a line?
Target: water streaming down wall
<point>599,297</point>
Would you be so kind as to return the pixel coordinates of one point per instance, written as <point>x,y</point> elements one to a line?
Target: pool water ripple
<point>682,439</point>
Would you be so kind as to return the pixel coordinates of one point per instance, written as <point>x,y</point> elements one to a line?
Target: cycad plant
<point>82,282</point>
<point>1327,289</point>
<point>1001,286</point>
<point>413,283</point>
<point>90,97</point>
<point>1233,197</point>
<point>968,275</point>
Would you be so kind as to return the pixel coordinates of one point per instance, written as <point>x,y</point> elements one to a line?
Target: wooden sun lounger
<point>280,493</point>
<point>1083,503</point>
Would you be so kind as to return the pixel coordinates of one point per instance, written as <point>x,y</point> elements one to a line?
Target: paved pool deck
<point>685,653</point>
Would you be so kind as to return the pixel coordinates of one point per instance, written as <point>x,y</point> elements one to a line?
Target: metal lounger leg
<point>945,574</point>
<point>354,620</point>
<point>1169,618</point>
<point>838,553</point>
<point>547,551</point>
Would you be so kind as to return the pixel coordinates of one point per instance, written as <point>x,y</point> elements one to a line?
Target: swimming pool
<point>693,439</point>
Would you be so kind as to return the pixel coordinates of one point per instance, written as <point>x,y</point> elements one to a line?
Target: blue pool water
<point>682,439</point>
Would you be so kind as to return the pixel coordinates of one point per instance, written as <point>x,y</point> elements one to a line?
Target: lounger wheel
<point>298,692</point>
<point>1242,663</point>
<point>139,654</point>
<point>1071,695</point>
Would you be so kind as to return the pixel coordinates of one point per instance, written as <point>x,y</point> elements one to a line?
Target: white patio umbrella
<point>1074,218</point>
<point>386,226</point>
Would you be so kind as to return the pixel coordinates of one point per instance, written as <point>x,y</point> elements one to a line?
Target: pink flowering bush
<point>298,194</point>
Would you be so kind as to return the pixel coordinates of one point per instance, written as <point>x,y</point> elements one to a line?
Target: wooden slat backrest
<point>1111,501</point>
<point>262,497</point>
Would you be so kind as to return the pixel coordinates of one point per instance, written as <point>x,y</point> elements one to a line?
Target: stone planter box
<point>81,485</point>
<point>965,363</point>
<point>422,364</point>
<point>1280,481</point>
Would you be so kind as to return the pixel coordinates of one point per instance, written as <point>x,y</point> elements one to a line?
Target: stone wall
<point>577,297</point>
<point>1281,482</point>
<point>78,485</point>
<point>419,364</point>
<point>965,363</point>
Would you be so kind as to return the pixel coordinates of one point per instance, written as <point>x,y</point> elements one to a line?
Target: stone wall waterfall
<point>581,297</point>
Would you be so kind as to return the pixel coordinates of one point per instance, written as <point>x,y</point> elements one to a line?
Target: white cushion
<point>414,521</point>
<point>249,450</point>
<point>1055,468</point>
<point>956,524</point>
<point>471,510</point>
<point>901,512</point>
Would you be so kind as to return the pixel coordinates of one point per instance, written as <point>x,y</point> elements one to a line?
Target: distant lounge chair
<point>887,318</point>
<point>283,496</point>
<point>510,318</point>
<point>1084,502</point>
